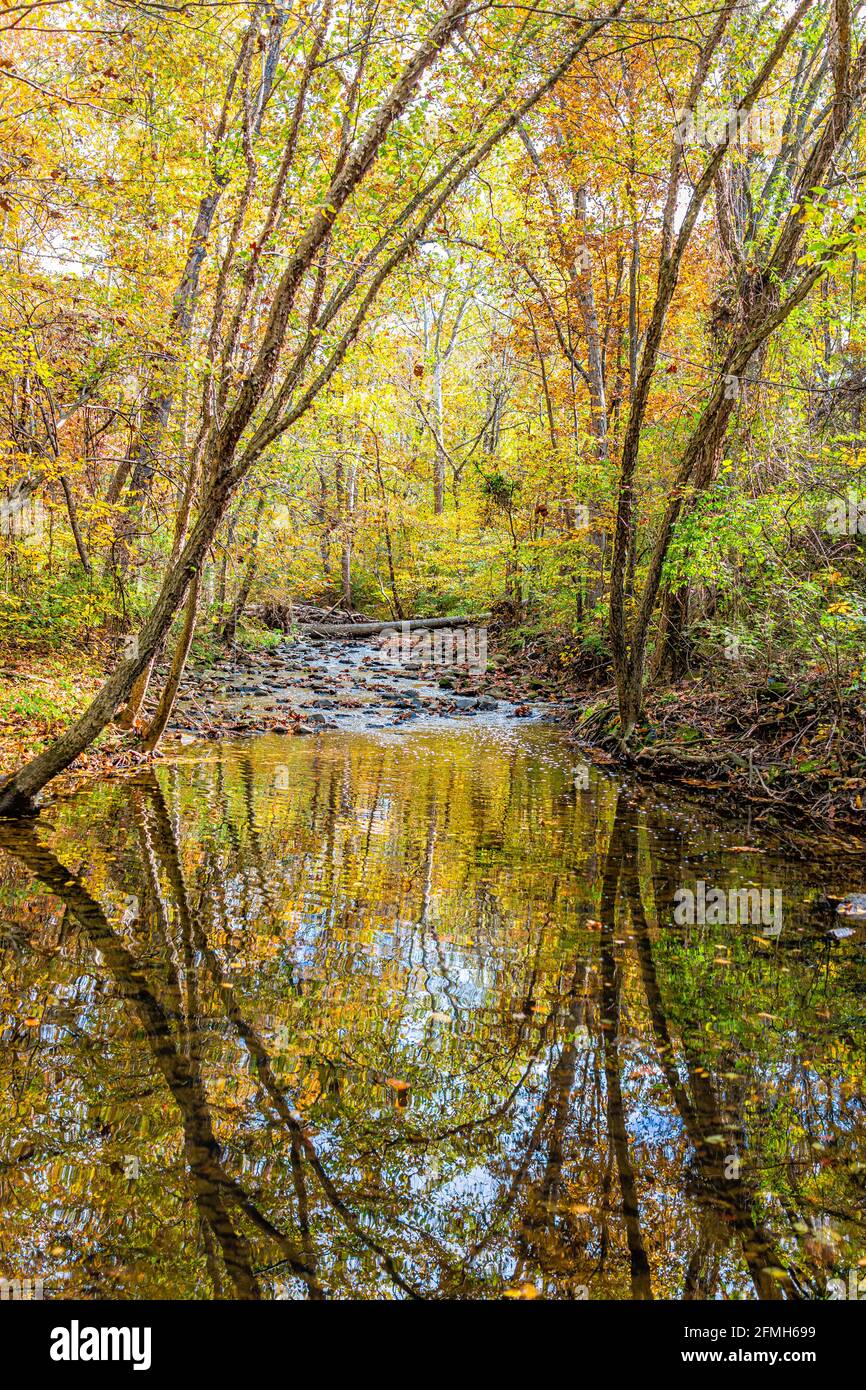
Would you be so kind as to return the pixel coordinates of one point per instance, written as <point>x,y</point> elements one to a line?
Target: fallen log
<point>286,615</point>
<point>392,625</point>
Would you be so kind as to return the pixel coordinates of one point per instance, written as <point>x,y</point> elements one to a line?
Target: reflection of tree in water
<point>729,1199</point>
<point>516,1160</point>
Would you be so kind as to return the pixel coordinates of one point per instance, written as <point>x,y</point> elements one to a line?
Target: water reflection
<point>412,1018</point>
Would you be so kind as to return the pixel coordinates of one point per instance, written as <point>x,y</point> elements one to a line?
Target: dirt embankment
<point>795,749</point>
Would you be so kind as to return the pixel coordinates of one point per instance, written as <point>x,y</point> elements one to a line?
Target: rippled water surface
<point>408,1014</point>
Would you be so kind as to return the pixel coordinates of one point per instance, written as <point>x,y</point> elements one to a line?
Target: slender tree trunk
<point>322,521</point>
<point>386,522</point>
<point>156,727</point>
<point>144,451</point>
<point>127,719</point>
<point>118,480</point>
<point>628,641</point>
<point>439,460</point>
<point>545,385</point>
<point>230,626</point>
<point>76,525</point>
<point>131,711</point>
<point>18,791</point>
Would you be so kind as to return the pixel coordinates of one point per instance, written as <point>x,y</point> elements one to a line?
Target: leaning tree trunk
<point>156,728</point>
<point>17,792</point>
<point>127,719</point>
<point>74,522</point>
<point>131,711</point>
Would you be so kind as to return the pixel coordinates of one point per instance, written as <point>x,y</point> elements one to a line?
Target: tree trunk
<point>672,646</point>
<point>76,525</point>
<point>143,452</point>
<point>628,642</point>
<point>157,725</point>
<point>324,525</point>
<point>18,791</point>
<point>230,626</point>
<point>439,459</point>
<point>139,691</point>
<point>126,719</point>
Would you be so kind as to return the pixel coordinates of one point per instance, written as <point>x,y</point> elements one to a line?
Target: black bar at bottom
<point>71,1341</point>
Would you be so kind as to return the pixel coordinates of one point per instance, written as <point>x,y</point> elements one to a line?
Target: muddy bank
<point>796,750</point>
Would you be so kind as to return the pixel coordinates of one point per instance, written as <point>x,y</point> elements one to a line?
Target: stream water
<point>412,1011</point>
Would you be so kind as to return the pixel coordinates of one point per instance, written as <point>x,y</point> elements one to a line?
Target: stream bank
<point>791,751</point>
<point>796,751</point>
